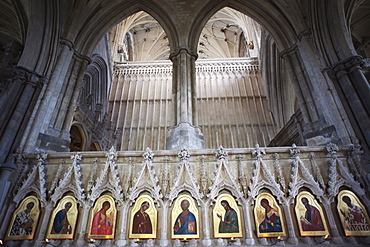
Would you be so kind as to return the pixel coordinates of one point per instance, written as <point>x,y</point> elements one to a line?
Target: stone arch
<point>16,22</point>
<point>96,76</point>
<point>283,30</point>
<point>95,146</point>
<point>335,24</point>
<point>320,107</point>
<point>79,138</point>
<point>113,13</point>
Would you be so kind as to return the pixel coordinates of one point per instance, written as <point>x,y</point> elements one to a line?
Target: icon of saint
<point>185,222</point>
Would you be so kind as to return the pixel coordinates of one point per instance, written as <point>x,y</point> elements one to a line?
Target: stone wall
<point>232,106</point>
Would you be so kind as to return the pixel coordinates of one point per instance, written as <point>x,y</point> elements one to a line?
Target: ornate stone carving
<point>108,180</point>
<point>301,177</point>
<point>339,175</point>
<point>90,184</point>
<point>57,176</point>
<point>184,155</point>
<point>148,155</point>
<point>129,178</point>
<point>221,154</point>
<point>262,177</point>
<point>22,166</point>
<point>184,179</point>
<point>316,171</point>
<point>278,172</point>
<point>203,176</point>
<point>242,177</point>
<point>71,181</point>
<point>355,162</point>
<point>224,179</point>
<point>35,181</point>
<point>165,176</point>
<point>146,179</point>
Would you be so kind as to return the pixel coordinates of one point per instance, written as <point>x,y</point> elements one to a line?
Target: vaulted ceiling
<point>227,34</point>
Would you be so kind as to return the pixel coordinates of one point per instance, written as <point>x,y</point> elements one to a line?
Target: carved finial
<point>77,157</point>
<point>221,154</point>
<point>19,157</point>
<point>184,155</point>
<point>112,154</point>
<point>41,157</point>
<point>257,152</point>
<point>332,149</point>
<point>356,148</point>
<point>148,155</point>
<point>294,151</point>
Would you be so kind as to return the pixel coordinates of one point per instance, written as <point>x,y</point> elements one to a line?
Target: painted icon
<point>103,218</point>
<point>310,215</point>
<point>353,214</point>
<point>268,216</point>
<point>226,218</point>
<point>143,220</point>
<point>24,220</point>
<point>63,219</point>
<point>185,219</point>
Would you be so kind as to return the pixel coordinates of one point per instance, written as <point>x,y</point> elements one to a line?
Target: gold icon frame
<point>151,211</point>
<point>343,206</point>
<point>300,211</point>
<point>259,213</point>
<point>111,212</point>
<point>219,209</point>
<point>72,215</point>
<point>177,210</point>
<point>34,214</point>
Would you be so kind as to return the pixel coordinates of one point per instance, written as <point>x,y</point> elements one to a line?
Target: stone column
<point>249,236</point>
<point>292,236</point>
<point>43,224</point>
<point>81,228</point>
<point>17,106</point>
<point>331,223</point>
<point>123,225</point>
<point>206,225</point>
<point>78,75</point>
<point>40,134</point>
<point>355,89</point>
<point>184,134</point>
<point>164,224</point>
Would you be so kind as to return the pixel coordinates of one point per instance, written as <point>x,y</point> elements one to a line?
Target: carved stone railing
<point>202,65</point>
<point>204,174</point>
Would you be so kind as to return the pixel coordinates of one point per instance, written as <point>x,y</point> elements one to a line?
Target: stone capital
<point>182,50</point>
<point>347,66</point>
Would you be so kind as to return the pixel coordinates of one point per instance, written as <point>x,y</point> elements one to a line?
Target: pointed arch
<point>270,16</point>
<point>105,18</point>
<point>79,137</point>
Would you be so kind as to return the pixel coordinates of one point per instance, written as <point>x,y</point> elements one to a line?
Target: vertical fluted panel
<point>232,105</point>
<point>231,102</point>
<point>140,104</point>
